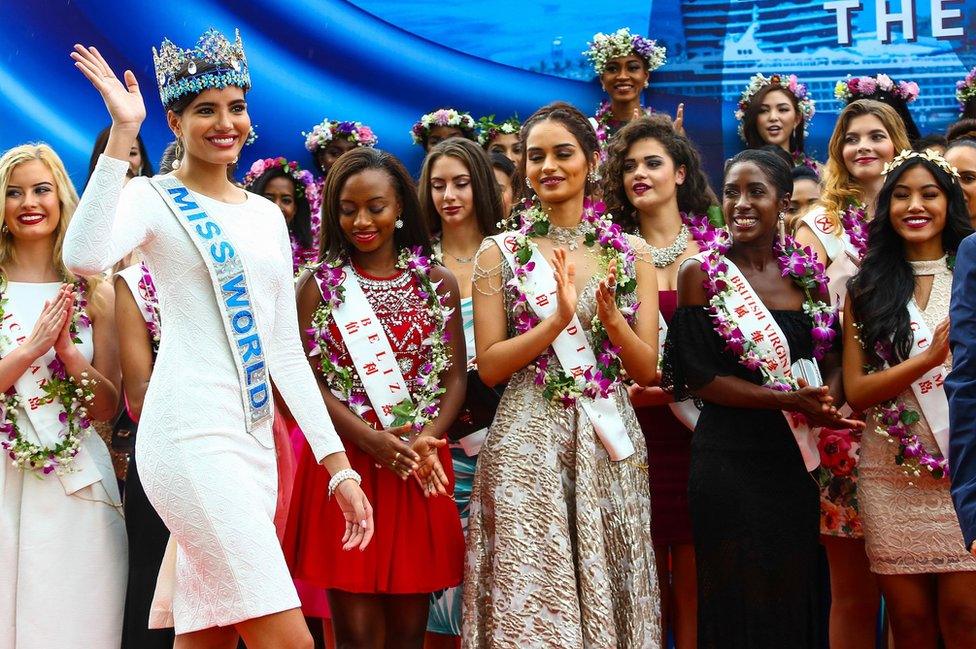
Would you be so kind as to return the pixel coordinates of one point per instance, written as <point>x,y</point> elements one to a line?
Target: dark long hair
<point>574,121</point>
<point>100,143</point>
<point>484,188</point>
<point>301,224</point>
<point>334,245</point>
<point>750,121</point>
<point>880,291</point>
<point>694,194</point>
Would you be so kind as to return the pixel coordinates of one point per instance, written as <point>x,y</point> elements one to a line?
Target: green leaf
<point>540,228</point>
<point>523,255</point>
<point>909,417</point>
<point>715,217</point>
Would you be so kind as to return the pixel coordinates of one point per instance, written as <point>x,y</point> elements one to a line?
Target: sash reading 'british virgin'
<point>369,348</point>
<point>229,279</point>
<point>928,388</point>
<point>571,348</point>
<point>758,325</point>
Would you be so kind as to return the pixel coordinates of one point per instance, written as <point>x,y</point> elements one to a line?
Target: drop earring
<point>178,154</point>
<point>781,225</point>
<point>398,224</point>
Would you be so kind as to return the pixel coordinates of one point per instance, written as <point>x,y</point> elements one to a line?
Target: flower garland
<point>424,405</point>
<point>331,129</point>
<point>854,220</point>
<point>966,89</point>
<point>800,159</point>
<point>73,397</point>
<point>148,290</point>
<point>488,129</point>
<point>605,123</point>
<point>797,262</point>
<point>805,103</point>
<point>605,47</point>
<point>441,117</point>
<point>558,384</point>
<point>851,88</point>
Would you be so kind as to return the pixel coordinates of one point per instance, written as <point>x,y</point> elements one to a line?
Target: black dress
<point>755,510</point>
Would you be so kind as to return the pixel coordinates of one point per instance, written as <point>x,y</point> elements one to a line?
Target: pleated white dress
<point>213,483</point>
<point>62,540</point>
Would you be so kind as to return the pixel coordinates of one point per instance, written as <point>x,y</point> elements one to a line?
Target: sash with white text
<point>572,349</point>
<point>369,349</point>
<point>230,285</point>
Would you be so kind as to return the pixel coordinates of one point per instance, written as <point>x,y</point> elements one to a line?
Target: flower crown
<point>966,89</point>
<point>805,103</point>
<point>488,129</point>
<point>928,154</point>
<point>853,88</point>
<point>328,130</point>
<point>222,63</point>
<point>440,117</point>
<point>604,47</point>
<point>304,180</point>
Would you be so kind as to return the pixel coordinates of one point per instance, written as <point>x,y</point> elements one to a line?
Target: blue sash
<point>229,278</point>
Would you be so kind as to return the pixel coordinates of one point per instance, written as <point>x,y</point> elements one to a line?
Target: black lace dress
<point>755,510</point>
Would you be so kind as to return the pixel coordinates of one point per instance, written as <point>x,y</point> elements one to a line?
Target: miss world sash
<point>230,285</point>
<point>572,349</point>
<point>758,325</point>
<point>928,388</point>
<point>369,348</point>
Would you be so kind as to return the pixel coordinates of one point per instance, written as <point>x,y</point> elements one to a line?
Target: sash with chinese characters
<point>928,388</point>
<point>369,349</point>
<point>571,348</point>
<point>686,411</point>
<point>133,276</point>
<point>45,416</point>
<point>750,315</point>
<point>229,278</point>
<point>841,254</point>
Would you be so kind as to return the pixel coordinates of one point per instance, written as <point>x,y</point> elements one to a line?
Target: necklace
<point>460,260</point>
<point>664,257</point>
<point>569,237</point>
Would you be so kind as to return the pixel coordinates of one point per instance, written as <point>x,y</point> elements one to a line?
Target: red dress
<point>418,546</point>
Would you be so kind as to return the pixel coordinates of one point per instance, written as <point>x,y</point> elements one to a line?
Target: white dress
<point>213,484</point>
<point>62,555</point>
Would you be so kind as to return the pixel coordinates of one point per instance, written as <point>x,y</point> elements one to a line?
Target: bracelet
<point>341,476</point>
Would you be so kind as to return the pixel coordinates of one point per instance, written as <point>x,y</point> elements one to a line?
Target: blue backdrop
<point>385,62</point>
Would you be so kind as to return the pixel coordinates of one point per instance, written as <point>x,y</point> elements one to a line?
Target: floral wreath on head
<point>331,129</point>
<point>866,87</point>
<point>441,117</point>
<point>966,89</point>
<point>622,42</point>
<point>488,129</point>
<point>806,106</point>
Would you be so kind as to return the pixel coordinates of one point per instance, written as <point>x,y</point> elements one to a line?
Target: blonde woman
<point>62,535</point>
<point>867,136</point>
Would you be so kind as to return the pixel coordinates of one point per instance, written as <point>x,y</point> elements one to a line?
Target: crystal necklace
<point>666,256</point>
<point>568,237</point>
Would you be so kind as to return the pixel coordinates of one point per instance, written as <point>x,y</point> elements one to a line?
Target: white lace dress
<point>910,525</point>
<point>213,484</point>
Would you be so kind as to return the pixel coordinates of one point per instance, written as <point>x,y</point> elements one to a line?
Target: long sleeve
<point>290,369</point>
<point>961,389</point>
<point>111,220</point>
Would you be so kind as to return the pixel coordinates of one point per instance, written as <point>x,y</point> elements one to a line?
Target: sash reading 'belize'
<point>229,278</point>
<point>572,349</point>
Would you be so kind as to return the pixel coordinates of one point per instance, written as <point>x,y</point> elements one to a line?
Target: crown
<point>215,62</point>
<point>928,154</point>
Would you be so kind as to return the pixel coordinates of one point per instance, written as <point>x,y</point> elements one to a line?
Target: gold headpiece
<point>928,154</point>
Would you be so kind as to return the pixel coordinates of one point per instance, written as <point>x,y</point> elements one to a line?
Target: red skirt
<point>417,546</point>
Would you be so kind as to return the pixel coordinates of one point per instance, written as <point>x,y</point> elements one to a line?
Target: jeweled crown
<point>215,62</point>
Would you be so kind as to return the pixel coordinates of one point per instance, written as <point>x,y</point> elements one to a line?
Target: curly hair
<point>695,195</point>
<point>574,121</point>
<point>750,121</point>
<point>839,187</point>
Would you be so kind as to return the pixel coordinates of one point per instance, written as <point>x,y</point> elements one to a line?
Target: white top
<point>842,257</point>
<point>195,383</point>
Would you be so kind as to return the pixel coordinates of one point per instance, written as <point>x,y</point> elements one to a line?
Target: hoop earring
<point>178,154</point>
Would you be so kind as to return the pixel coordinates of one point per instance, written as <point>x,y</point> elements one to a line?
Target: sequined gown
<point>558,551</point>
<point>910,525</point>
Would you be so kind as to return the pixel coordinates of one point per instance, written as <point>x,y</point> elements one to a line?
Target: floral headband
<point>328,130</point>
<point>605,47</point>
<point>853,88</point>
<point>488,129</point>
<point>441,117</point>
<point>966,89</point>
<point>805,103</point>
<point>928,154</point>
<point>304,180</point>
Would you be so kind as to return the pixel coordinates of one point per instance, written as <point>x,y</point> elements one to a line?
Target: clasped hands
<point>817,406</point>
<point>417,457</point>
<point>53,326</point>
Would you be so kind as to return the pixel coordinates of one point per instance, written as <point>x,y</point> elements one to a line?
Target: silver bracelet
<point>345,474</point>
